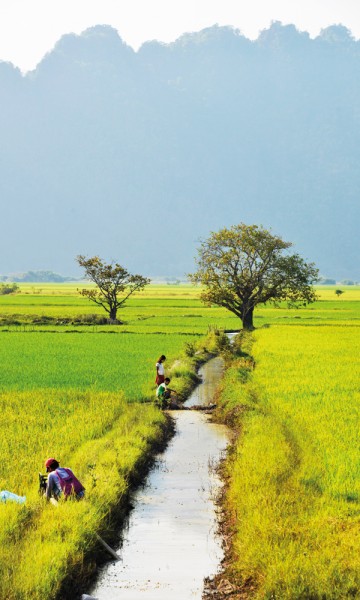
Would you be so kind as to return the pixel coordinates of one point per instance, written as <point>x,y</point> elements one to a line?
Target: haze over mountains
<point>136,155</point>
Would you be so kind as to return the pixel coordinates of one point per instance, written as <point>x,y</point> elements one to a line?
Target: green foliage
<point>190,349</point>
<point>8,288</point>
<point>183,378</point>
<point>216,341</point>
<point>114,284</point>
<point>245,266</point>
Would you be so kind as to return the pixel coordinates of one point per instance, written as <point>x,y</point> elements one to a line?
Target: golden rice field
<point>104,440</point>
<point>295,472</point>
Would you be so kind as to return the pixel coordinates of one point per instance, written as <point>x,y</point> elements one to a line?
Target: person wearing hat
<point>61,482</point>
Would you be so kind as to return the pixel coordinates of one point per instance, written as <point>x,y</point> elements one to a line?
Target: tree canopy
<point>114,284</point>
<point>246,265</point>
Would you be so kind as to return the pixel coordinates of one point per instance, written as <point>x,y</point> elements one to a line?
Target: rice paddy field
<point>85,397</point>
<point>88,361</point>
<point>81,391</point>
<point>159,309</point>
<point>294,472</point>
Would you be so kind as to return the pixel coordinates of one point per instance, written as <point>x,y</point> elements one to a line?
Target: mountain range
<point>137,156</point>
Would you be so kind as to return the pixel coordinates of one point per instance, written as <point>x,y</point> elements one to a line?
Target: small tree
<point>245,265</point>
<point>8,288</point>
<point>114,284</point>
<point>338,292</point>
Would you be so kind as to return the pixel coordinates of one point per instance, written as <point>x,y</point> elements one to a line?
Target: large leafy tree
<point>247,265</point>
<point>114,284</point>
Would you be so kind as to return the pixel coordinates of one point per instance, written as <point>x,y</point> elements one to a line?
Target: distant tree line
<point>36,277</point>
<point>327,281</point>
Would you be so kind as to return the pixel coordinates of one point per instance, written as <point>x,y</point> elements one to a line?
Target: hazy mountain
<point>135,156</point>
<point>36,277</point>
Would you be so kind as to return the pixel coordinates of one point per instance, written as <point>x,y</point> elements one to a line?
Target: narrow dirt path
<point>170,543</point>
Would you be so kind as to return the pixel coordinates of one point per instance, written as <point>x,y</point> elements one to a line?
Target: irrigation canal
<point>170,543</point>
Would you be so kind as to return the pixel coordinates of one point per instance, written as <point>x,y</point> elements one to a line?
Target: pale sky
<point>30,28</point>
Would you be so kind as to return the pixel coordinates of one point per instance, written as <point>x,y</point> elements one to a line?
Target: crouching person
<point>164,394</point>
<point>167,398</point>
<point>61,482</point>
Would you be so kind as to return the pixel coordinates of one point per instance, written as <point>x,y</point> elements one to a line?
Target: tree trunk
<point>112,314</point>
<point>247,320</point>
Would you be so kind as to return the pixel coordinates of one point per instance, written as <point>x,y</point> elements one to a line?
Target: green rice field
<point>160,309</point>
<point>88,361</point>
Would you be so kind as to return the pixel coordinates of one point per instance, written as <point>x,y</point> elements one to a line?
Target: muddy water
<point>170,543</point>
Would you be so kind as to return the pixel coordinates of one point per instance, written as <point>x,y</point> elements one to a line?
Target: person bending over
<point>61,482</point>
<point>165,395</point>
